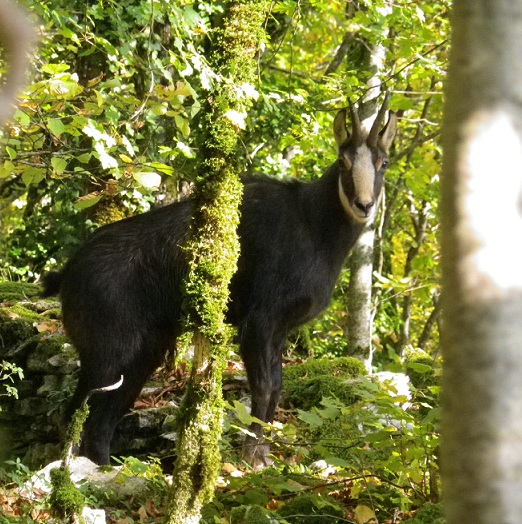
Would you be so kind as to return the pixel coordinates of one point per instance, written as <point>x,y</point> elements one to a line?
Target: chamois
<point>121,292</point>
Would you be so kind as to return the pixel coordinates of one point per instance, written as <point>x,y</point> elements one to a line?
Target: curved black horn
<point>357,135</point>
<point>373,135</point>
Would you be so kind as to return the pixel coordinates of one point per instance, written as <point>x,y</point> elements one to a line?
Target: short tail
<point>52,282</point>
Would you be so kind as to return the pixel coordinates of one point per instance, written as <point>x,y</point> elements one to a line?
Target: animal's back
<point>123,283</point>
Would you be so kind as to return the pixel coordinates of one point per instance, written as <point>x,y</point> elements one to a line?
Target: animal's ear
<point>387,135</point>
<point>339,128</point>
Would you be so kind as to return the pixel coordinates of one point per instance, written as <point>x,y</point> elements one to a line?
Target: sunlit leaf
<point>87,201</point>
<point>364,515</point>
<point>56,126</point>
<point>6,169</point>
<point>147,179</point>
<point>237,118</point>
<point>163,168</point>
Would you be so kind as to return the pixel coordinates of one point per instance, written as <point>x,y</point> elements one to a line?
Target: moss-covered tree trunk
<point>212,254</point>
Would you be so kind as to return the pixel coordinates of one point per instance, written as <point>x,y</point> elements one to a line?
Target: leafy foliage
<point>8,373</point>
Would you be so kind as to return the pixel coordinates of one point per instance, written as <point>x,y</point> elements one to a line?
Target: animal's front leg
<point>262,357</point>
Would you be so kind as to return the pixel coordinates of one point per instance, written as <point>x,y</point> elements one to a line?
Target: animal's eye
<point>384,164</point>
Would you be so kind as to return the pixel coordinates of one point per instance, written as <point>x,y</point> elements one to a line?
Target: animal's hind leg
<point>105,411</point>
<point>107,408</point>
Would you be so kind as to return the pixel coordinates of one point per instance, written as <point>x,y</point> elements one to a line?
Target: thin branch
<point>430,323</point>
<point>340,55</point>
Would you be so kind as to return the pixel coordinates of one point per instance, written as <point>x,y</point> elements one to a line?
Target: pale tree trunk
<point>17,36</point>
<point>359,298</point>
<point>359,295</point>
<point>481,216</point>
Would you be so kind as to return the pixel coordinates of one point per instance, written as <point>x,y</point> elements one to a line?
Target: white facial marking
<point>363,174</point>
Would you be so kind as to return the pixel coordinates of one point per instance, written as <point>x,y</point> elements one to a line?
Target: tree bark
<point>419,217</point>
<point>430,323</point>
<point>359,298</point>
<point>481,213</point>
<point>212,253</point>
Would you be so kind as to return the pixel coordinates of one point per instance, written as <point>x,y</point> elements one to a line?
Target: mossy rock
<point>428,514</point>
<point>311,509</point>
<point>347,367</point>
<point>309,393</point>
<point>109,210</point>
<point>423,370</point>
<point>16,326</point>
<point>53,355</point>
<point>306,384</point>
<point>11,292</point>
<point>17,311</point>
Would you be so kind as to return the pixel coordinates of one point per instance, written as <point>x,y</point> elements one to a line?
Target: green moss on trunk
<point>66,499</point>
<point>212,252</point>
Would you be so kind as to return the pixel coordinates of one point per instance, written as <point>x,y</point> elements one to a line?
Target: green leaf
<point>11,152</point>
<point>183,125</point>
<point>22,118</point>
<point>56,126</point>
<point>183,89</point>
<point>159,109</point>
<point>126,159</point>
<point>33,175</point>
<point>310,417</point>
<point>100,100</point>
<point>59,164</point>
<point>432,416</point>
<point>84,158</point>
<point>244,416</point>
<point>162,168</point>
<point>54,69</point>
<point>7,169</point>
<point>339,462</point>
<point>67,33</point>
<point>242,413</point>
<point>190,16</point>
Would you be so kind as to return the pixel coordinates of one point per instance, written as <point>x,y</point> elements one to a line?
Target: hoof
<point>256,453</point>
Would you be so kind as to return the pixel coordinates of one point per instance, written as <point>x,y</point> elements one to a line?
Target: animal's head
<point>363,161</point>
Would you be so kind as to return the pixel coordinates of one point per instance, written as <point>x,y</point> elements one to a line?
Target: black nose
<point>365,208</point>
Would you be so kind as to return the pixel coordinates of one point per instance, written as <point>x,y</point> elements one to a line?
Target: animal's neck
<point>320,200</point>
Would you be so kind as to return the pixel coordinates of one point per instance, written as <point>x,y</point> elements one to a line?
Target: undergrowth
<point>373,456</point>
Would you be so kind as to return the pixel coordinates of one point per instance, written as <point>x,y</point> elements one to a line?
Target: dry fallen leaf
<point>49,327</point>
